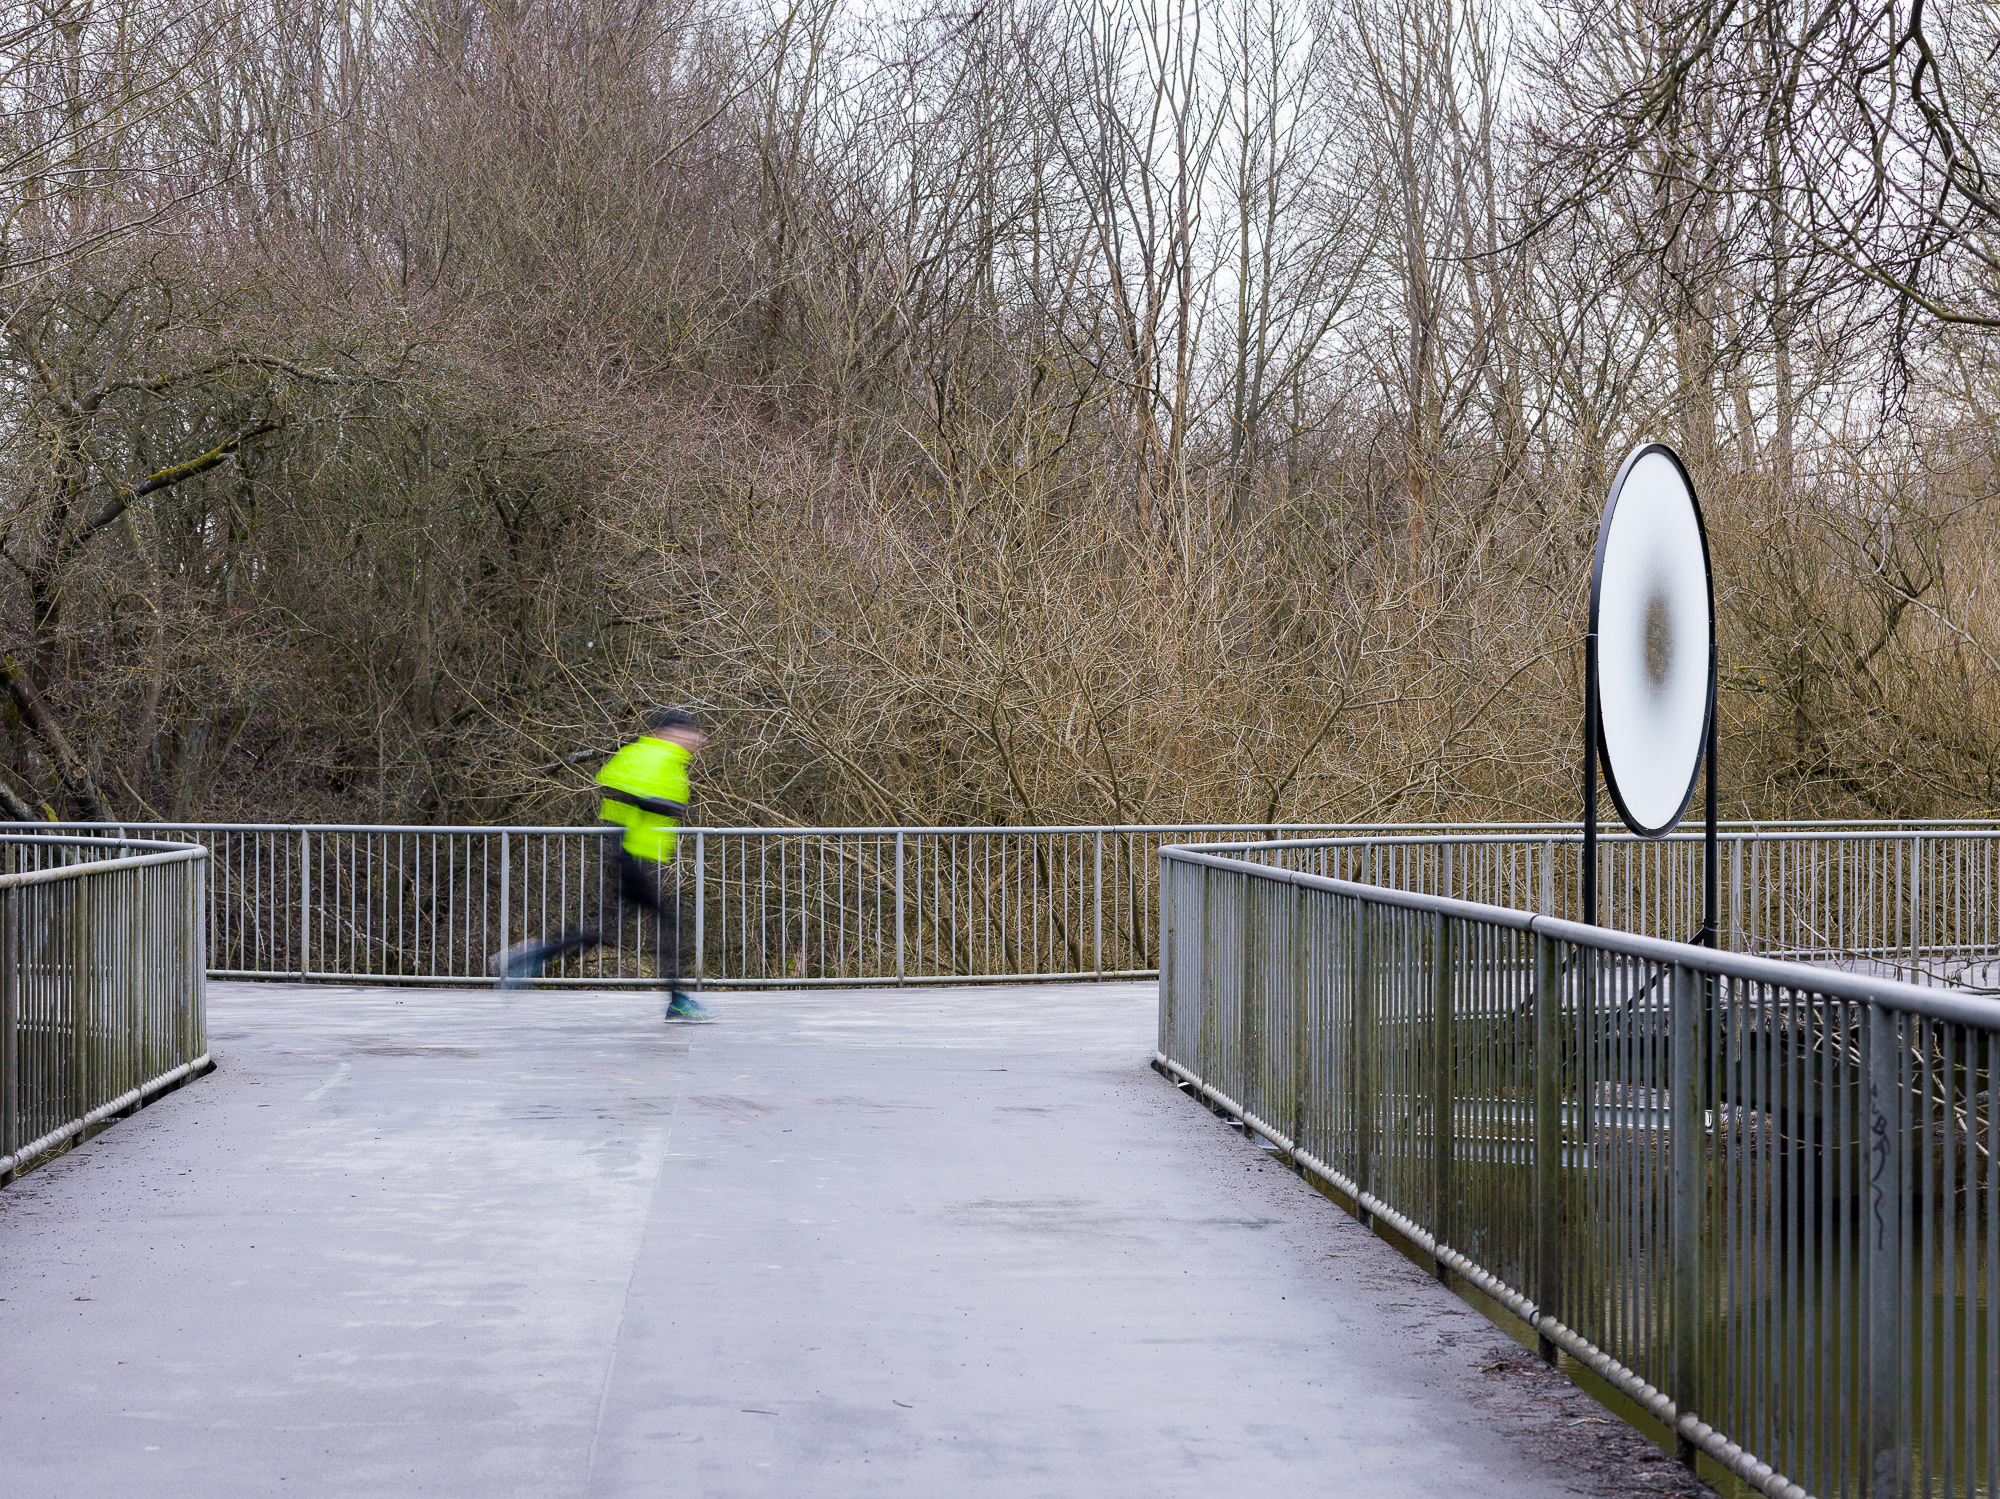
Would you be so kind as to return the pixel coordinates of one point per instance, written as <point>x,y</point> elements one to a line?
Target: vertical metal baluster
<point>1097,905</point>
<point>875,864</point>
<point>1547,1058</point>
<point>1735,943</point>
<point>1362,1049</point>
<point>198,962</point>
<point>764,899</point>
<point>1813,1151</point>
<point>1145,922</point>
<point>707,884</point>
<point>1898,928</point>
<point>305,901</point>
<point>78,934</point>
<point>1917,892</point>
<point>1952,1382</point>
<point>1297,977</point>
<point>1686,1149</point>
<point>399,890</point>
<point>13,959</point>
<point>506,889</point>
<point>377,856</point>
<point>1443,985</point>
<point>1883,1213</point>
<point>1983,1403</point>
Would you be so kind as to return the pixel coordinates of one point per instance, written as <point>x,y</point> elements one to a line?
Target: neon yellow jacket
<point>646,788</point>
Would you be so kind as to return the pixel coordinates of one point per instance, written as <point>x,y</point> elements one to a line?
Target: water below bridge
<point>917,1242</point>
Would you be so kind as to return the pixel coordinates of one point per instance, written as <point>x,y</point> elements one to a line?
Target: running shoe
<point>687,1007</point>
<point>518,965</point>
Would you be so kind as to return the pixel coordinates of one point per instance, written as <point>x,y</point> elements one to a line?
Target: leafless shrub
<point>1047,411</point>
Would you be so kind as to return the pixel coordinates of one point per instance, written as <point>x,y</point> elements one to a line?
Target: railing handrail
<point>1571,835</point>
<point>806,906</point>
<point>775,829</point>
<point>1423,832</point>
<point>170,854</point>
<point>1968,1009</point>
<point>71,838</point>
<point>158,851</point>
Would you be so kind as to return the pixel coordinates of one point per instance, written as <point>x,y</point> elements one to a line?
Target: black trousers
<point>635,889</point>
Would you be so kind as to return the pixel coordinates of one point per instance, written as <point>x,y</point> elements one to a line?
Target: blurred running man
<point>646,791</point>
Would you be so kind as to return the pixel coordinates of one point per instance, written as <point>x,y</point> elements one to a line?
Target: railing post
<point>1252,929</point>
<point>1548,1136</point>
<point>1443,988</point>
<point>1916,904</point>
<point>1758,896</point>
<point>1363,1031</point>
<point>1736,942</point>
<point>198,906</point>
<point>700,910</point>
<point>899,905</point>
<point>11,959</point>
<point>1301,978</point>
<point>506,891</point>
<point>305,900</point>
<point>1097,904</point>
<point>74,951</point>
<point>1894,939</point>
<point>1208,1007</point>
<point>1885,1214</point>
<point>1170,979</point>
<point>1687,1148</point>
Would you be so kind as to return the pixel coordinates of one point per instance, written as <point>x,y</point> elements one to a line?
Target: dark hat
<point>672,718</point>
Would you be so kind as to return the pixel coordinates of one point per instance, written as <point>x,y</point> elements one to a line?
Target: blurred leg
<point>639,883</point>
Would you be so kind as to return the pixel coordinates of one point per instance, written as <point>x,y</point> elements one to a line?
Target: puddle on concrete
<point>742,1108</point>
<point>416,1051</point>
<point>867,1105</point>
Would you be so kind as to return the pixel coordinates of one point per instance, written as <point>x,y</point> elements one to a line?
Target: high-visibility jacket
<point>646,788</point>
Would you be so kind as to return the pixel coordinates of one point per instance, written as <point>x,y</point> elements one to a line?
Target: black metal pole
<point>1590,779</point>
<point>1711,903</point>
<point>1711,852</point>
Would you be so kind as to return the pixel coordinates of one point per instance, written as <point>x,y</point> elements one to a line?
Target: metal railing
<point>763,907</point>
<point>755,907</point>
<point>1919,902</point>
<point>1760,1198</point>
<point>102,984</point>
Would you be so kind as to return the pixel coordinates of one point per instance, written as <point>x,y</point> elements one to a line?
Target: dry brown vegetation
<point>1039,411</point>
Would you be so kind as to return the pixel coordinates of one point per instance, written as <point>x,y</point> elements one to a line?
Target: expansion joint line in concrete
<point>625,1301</point>
<point>1688,1428</point>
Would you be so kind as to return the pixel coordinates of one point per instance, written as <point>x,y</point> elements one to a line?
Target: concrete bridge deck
<point>920,1242</point>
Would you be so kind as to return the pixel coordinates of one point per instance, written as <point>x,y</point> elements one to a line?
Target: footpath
<point>926,1243</point>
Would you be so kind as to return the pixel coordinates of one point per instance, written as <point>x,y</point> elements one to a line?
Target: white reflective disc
<point>1651,604</point>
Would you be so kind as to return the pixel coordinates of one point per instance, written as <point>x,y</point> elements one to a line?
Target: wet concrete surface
<point>918,1242</point>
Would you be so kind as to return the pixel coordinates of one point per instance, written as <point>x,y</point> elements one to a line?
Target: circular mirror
<point>1652,607</point>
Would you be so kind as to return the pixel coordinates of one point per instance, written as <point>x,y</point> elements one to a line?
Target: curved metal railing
<point>796,907</point>
<point>1914,901</point>
<point>1760,1198</point>
<point>103,964</point>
